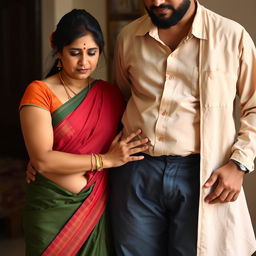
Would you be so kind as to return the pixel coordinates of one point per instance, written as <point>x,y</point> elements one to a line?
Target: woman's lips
<point>82,70</point>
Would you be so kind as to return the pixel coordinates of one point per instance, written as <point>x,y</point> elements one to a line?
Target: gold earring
<point>59,65</point>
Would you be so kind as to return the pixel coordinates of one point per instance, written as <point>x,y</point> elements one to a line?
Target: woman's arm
<point>36,124</point>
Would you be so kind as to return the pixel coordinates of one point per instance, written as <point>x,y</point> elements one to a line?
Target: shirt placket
<point>165,107</point>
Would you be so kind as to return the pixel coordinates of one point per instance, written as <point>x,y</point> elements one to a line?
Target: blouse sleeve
<point>36,95</point>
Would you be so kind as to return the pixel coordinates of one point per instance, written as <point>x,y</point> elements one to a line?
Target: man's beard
<point>177,15</point>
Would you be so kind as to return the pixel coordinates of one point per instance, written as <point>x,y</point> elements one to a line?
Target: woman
<point>68,122</point>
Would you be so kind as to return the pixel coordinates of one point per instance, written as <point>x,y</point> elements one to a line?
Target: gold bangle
<point>99,162</point>
<point>95,161</point>
<point>91,162</point>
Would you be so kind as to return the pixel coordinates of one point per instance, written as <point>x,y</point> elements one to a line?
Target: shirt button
<point>161,138</point>
<point>164,113</point>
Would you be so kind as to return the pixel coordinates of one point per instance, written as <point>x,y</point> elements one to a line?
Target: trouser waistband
<point>188,158</point>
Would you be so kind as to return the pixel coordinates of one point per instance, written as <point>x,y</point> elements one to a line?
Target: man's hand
<point>226,183</point>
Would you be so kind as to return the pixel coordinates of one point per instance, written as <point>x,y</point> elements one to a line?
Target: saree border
<point>64,110</point>
<point>79,227</point>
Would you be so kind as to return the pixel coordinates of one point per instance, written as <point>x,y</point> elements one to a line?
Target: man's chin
<point>163,12</point>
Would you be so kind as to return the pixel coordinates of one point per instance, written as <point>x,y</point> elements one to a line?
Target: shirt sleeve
<point>244,149</point>
<point>120,75</point>
<point>36,95</point>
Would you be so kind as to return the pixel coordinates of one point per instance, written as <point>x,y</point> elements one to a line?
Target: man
<point>181,68</point>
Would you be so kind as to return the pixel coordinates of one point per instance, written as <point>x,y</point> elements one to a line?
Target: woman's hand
<point>30,173</point>
<point>122,151</point>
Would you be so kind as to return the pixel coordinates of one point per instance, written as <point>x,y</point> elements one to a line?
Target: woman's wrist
<point>106,162</point>
<point>99,162</point>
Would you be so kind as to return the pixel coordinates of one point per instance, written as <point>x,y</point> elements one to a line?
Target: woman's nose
<point>83,61</point>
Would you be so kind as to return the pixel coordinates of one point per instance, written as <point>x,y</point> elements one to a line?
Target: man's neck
<point>173,35</point>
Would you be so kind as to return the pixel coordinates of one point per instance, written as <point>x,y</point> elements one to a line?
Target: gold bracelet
<point>99,162</point>
<point>91,162</point>
<point>95,161</point>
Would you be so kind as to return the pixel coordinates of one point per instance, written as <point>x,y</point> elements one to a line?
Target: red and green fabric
<point>56,221</point>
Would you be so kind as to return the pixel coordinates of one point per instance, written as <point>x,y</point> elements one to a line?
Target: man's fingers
<point>214,194</point>
<point>231,197</point>
<point>211,181</point>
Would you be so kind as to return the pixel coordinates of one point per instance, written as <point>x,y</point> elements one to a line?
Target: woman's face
<point>80,58</point>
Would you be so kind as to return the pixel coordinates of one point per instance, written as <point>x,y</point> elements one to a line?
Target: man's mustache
<point>164,6</point>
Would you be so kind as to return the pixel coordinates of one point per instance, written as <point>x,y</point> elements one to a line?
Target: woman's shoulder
<point>37,86</point>
<point>38,94</point>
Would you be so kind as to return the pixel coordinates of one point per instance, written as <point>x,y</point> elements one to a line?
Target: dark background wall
<point>20,58</point>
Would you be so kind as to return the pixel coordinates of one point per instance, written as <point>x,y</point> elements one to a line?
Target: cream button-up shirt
<point>177,127</point>
<point>170,114</point>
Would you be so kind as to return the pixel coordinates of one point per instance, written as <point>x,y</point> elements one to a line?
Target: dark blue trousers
<point>154,206</point>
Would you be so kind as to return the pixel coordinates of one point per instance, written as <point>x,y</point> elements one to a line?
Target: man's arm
<point>226,181</point>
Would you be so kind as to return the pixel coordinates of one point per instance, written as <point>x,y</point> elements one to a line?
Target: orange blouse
<point>40,95</point>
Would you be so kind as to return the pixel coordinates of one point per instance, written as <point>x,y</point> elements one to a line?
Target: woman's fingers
<point>123,150</point>
<point>135,146</point>
<point>117,138</point>
<point>138,150</point>
<point>132,136</point>
<point>137,143</point>
<point>30,176</point>
<point>135,158</point>
<point>30,173</point>
<point>132,144</point>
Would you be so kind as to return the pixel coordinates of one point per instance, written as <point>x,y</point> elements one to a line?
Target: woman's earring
<point>59,65</point>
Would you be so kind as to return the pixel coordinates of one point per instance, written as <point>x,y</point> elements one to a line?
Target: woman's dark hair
<point>71,26</point>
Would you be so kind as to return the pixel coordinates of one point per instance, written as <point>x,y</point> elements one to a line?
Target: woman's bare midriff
<point>72,182</point>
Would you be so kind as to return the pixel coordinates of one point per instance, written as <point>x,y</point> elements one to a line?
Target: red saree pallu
<point>85,124</point>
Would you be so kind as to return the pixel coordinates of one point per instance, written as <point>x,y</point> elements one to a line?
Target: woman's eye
<point>76,53</point>
<point>91,53</point>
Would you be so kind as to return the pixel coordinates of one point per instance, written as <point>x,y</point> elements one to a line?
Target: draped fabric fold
<point>76,231</point>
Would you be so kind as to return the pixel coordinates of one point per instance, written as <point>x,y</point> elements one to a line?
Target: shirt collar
<point>197,26</point>
<point>198,23</point>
